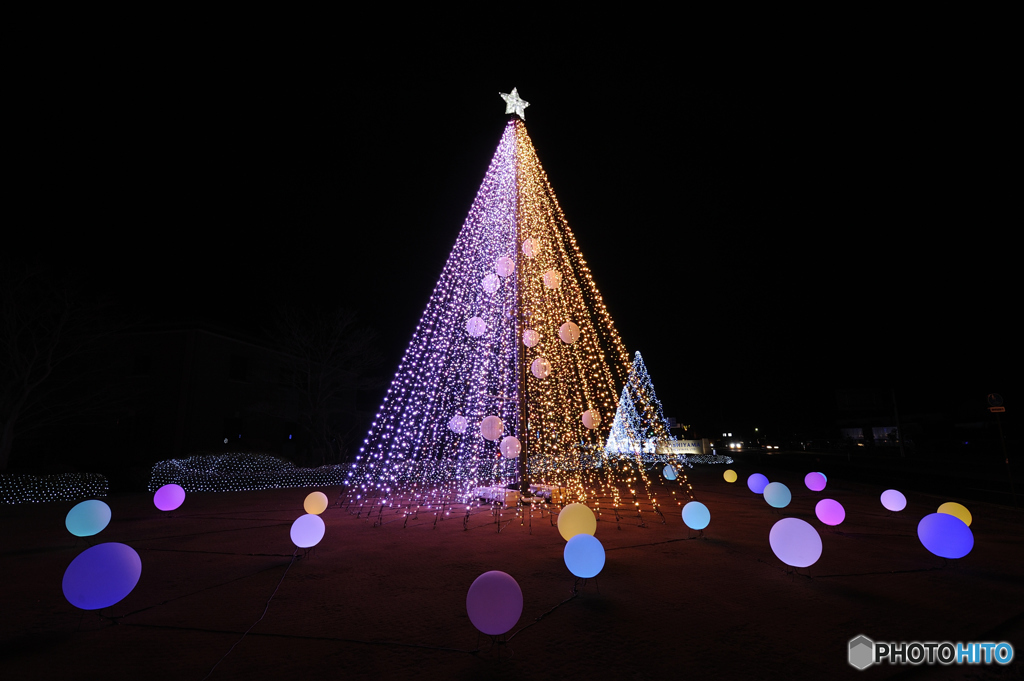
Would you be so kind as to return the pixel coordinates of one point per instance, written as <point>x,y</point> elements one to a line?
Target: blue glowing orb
<point>815,481</point>
<point>584,555</point>
<point>102,575</point>
<point>88,518</point>
<point>757,483</point>
<point>777,495</point>
<point>795,542</point>
<point>495,602</point>
<point>669,472</point>
<point>830,512</point>
<point>945,535</point>
<point>169,497</point>
<point>307,530</point>
<point>696,515</point>
<point>894,500</point>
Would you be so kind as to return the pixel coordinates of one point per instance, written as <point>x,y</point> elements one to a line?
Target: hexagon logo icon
<point>862,652</point>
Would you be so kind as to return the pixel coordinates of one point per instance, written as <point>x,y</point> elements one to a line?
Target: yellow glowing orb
<point>576,519</point>
<point>958,510</point>
<point>315,503</point>
<point>729,475</point>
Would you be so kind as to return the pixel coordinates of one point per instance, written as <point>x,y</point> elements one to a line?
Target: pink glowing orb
<point>795,542</point>
<point>894,500</point>
<point>101,576</point>
<point>494,602</point>
<point>307,531</point>
<point>815,481</point>
<point>757,483</point>
<point>169,497</point>
<point>830,511</point>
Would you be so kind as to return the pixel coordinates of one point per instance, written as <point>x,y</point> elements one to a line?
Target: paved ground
<point>389,602</point>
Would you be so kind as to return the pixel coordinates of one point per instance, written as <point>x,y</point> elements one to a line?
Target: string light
<point>18,488</point>
<point>240,472</point>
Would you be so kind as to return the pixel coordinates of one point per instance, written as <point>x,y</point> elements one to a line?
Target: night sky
<point>761,240</point>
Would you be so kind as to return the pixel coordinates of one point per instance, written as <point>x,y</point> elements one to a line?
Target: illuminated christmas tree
<point>640,422</point>
<point>511,373</point>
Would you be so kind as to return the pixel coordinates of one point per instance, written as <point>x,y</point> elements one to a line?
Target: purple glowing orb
<point>307,530</point>
<point>795,542</point>
<point>830,512</point>
<point>894,500</point>
<point>102,575</point>
<point>494,602</point>
<point>815,481</point>
<point>757,483</point>
<point>945,535</point>
<point>169,497</point>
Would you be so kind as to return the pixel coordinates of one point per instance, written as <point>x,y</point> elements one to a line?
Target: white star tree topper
<point>515,104</point>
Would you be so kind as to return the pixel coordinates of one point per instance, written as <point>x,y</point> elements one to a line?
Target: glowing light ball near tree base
<point>795,542</point>
<point>584,556</point>
<point>87,518</point>
<point>576,519</point>
<point>958,510</point>
<point>307,531</point>
<point>169,497</point>
<point>669,472</point>
<point>830,512</point>
<point>315,503</point>
<point>730,476</point>
<point>472,353</point>
<point>101,576</point>
<point>814,481</point>
<point>756,483</point>
<point>494,602</point>
<point>696,515</point>
<point>945,535</point>
<point>777,495</point>
<point>894,500</point>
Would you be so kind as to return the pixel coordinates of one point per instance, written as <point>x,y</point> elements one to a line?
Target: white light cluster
<point>18,488</point>
<point>240,472</point>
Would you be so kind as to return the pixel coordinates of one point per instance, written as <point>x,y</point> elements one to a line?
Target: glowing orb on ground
<point>795,542</point>
<point>101,576</point>
<point>510,447</point>
<point>757,483</point>
<point>945,535</point>
<point>584,555</point>
<point>830,511</point>
<point>730,475</point>
<point>815,481</point>
<point>894,500</point>
<point>315,503</point>
<point>307,530</point>
<point>959,510</point>
<point>492,428</point>
<point>552,279</point>
<point>531,247</point>
<point>669,472</point>
<point>569,333</point>
<point>540,367</point>
<point>490,283</point>
<point>576,519</point>
<point>169,497</point>
<point>591,419</point>
<point>777,495</point>
<point>87,518</point>
<point>530,338</point>
<point>458,424</point>
<point>696,515</point>
<point>504,266</point>
<point>476,327</point>
<point>494,602</point>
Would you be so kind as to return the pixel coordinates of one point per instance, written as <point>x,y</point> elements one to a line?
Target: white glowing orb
<point>510,447</point>
<point>307,531</point>
<point>476,327</point>
<point>894,500</point>
<point>540,367</point>
<point>491,428</point>
<point>530,338</point>
<point>458,424</point>
<point>504,266</point>
<point>531,247</point>
<point>795,542</point>
<point>569,333</point>
<point>552,279</point>
<point>591,419</point>
<point>490,283</point>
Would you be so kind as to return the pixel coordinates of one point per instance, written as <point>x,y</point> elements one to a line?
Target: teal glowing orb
<point>696,515</point>
<point>777,495</point>
<point>669,472</point>
<point>88,518</point>
<point>584,555</point>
